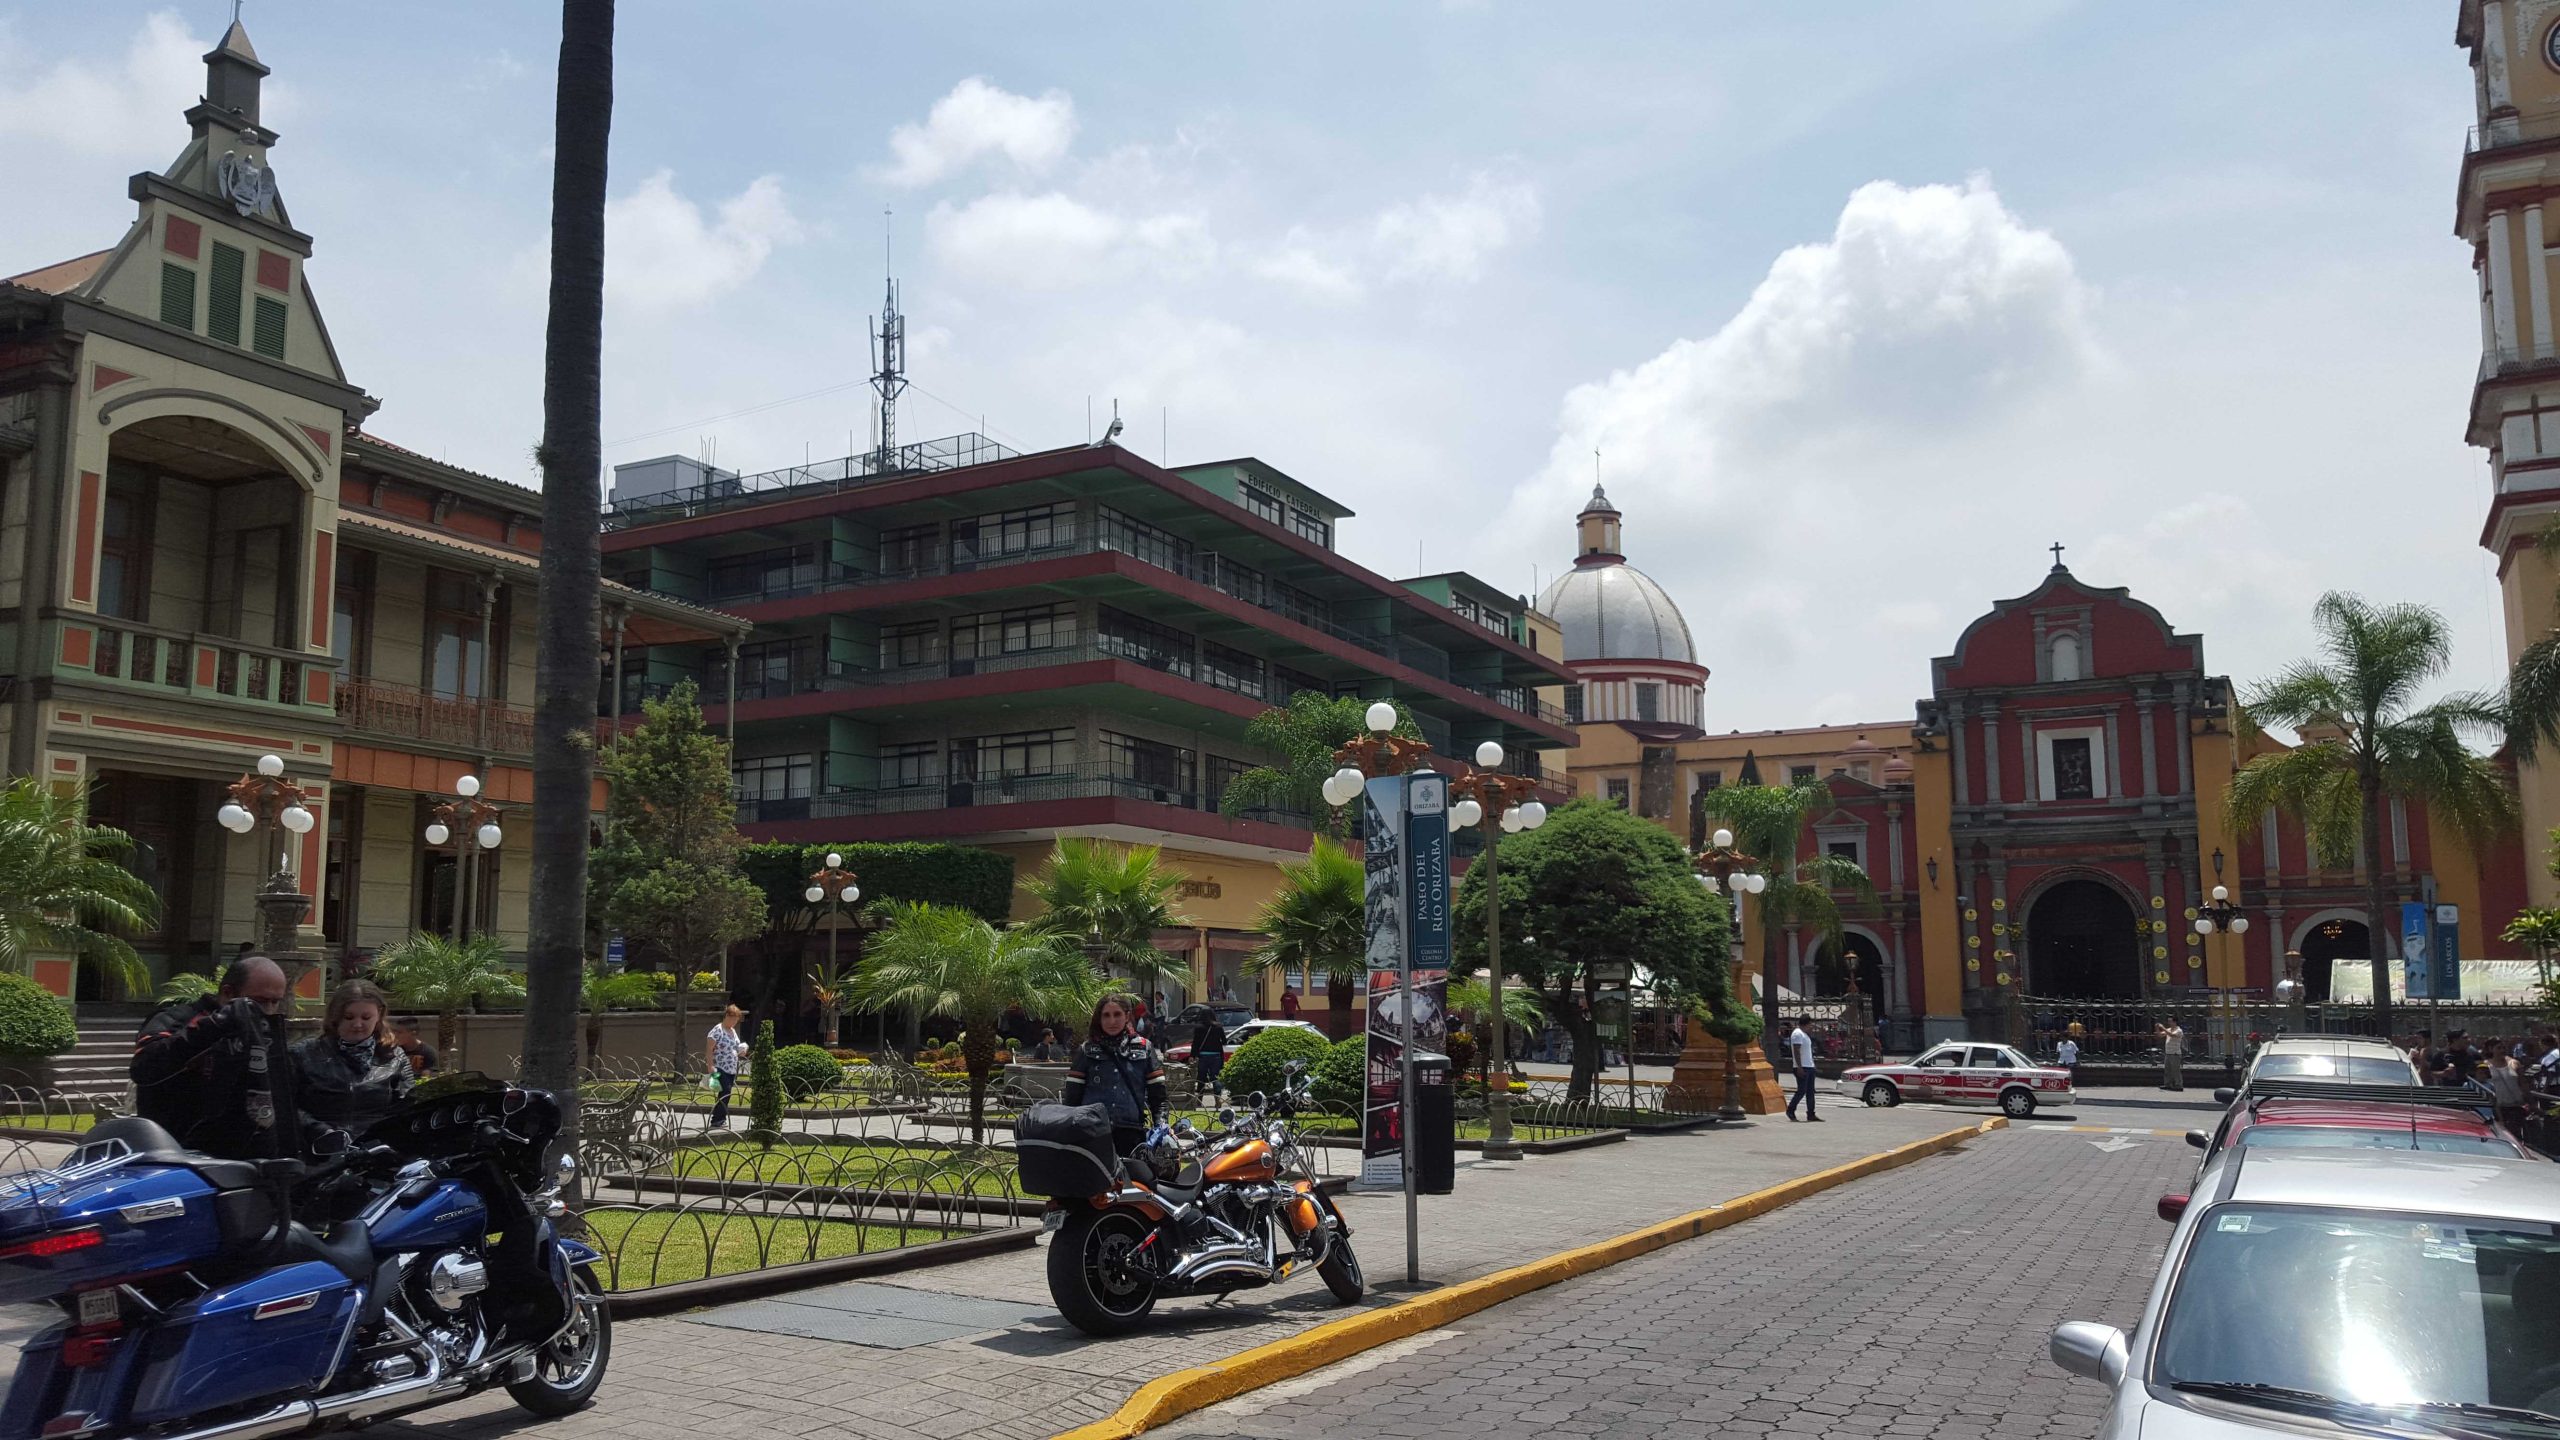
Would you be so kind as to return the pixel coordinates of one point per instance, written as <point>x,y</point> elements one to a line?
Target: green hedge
<point>1261,1063</point>
<point>1340,1078</point>
<point>32,1022</point>
<point>979,881</point>
<point>806,1070</point>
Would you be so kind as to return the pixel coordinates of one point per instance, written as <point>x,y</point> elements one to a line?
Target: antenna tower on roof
<point>888,358</point>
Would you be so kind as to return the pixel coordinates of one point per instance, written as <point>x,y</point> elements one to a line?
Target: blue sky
<point>1863,306</point>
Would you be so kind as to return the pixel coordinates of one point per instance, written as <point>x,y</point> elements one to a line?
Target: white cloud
<point>663,253</point>
<point>977,120</point>
<point>1450,237</point>
<point>1053,240</point>
<point>1298,265</point>
<point>114,110</point>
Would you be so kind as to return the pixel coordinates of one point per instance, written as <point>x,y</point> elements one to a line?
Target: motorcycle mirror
<point>1226,1116</point>
<point>1257,1100</point>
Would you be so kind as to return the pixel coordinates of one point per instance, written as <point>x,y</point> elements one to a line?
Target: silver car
<point>2339,1292</point>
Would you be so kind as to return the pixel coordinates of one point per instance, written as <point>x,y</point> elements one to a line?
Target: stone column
<point>2502,285</point>
<point>2537,280</point>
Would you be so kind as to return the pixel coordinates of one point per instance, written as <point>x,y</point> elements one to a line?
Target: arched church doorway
<point>2081,942</point>
<point>2327,945</point>
<point>1857,956</point>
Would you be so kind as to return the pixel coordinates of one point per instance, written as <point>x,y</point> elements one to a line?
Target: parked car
<point>1230,1013</point>
<point>1237,1035</point>
<point>1963,1072</point>
<point>2349,1059</point>
<point>2344,1292</point>
<point>2305,1115</point>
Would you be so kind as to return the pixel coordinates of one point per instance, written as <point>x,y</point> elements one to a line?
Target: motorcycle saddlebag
<point>1065,1151</point>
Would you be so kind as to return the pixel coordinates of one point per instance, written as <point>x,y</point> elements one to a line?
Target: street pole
<point>1498,1144</point>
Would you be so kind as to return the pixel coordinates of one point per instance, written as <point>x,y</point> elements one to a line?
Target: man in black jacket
<point>215,1072</point>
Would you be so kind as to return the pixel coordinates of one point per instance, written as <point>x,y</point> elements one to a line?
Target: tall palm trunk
<point>567,622</point>
<point>2377,896</point>
<point>1337,1004</point>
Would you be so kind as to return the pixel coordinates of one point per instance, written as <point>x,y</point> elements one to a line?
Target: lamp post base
<point>1717,1078</point>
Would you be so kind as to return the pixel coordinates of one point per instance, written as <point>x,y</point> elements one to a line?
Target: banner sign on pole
<point>2448,953</point>
<point>2417,974</point>
<point>1382,809</point>
<point>1426,833</point>
<point>613,953</point>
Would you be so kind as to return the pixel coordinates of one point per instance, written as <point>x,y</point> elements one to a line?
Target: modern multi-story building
<point>204,559</point>
<point>956,642</point>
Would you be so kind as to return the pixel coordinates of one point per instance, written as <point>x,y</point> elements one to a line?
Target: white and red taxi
<point>1963,1072</point>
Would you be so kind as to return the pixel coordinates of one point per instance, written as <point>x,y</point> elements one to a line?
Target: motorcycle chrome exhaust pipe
<point>298,1415</point>
<point>1216,1255</point>
<point>1251,1268</point>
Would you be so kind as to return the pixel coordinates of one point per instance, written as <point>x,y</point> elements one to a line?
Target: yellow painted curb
<point>1172,1396</point>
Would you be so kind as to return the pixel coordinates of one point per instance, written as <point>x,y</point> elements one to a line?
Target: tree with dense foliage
<point>1315,924</point>
<point>2537,929</point>
<point>1109,901</point>
<point>1305,733</point>
<point>32,1021</point>
<point>935,960</point>
<point>64,889</point>
<point>1594,883</point>
<point>431,972</point>
<point>1262,1063</point>
<point>567,607</point>
<point>2365,738</point>
<point>667,875</point>
<point>806,1071</point>
<point>979,881</point>
<point>1768,824</point>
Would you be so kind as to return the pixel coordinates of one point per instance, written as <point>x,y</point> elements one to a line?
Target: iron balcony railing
<point>2505,130</point>
<point>406,712</point>
<point>941,792</point>
<point>953,452</point>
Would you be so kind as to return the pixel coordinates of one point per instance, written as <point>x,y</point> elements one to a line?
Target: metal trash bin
<point>1435,1125</point>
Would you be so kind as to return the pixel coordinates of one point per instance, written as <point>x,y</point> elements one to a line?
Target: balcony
<point>2503,131</point>
<point>384,709</point>
<point>128,653</point>
<point>942,793</point>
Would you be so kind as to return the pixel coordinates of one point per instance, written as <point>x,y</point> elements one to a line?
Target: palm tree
<point>64,890</point>
<point>2537,929</point>
<point>2364,737</point>
<point>943,960</point>
<point>567,620</point>
<point>1110,900</point>
<point>1768,823</point>
<point>430,972</point>
<point>1520,1005</point>
<point>1315,922</point>
<point>1305,733</point>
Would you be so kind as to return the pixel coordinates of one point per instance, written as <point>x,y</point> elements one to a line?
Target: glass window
<point>906,766</point>
<point>1117,632</point>
<point>773,777</point>
<point>1572,710</point>
<point>765,575</point>
<point>913,642</point>
<point>1842,850</point>
<point>1947,1059</point>
<point>1025,752</point>
<point>1262,502</point>
<point>1989,1057</point>
<point>1311,526</point>
<point>1241,581</point>
<point>1152,765</point>
<point>1286,682</point>
<point>123,555</point>
<point>1300,606</point>
<point>1013,632</point>
<point>913,550</point>
<point>1618,793</point>
<point>767,668</point>
<point>1648,700</point>
<point>2380,1310</point>
<point>350,624</point>
<point>1220,772</point>
<point>2074,778</point>
<point>1710,779</point>
<point>1231,669</point>
<point>2341,1137</point>
<point>457,661</point>
<point>1799,774</point>
<point>1132,536</point>
<point>2369,1069</point>
<point>2066,657</point>
<point>1013,532</point>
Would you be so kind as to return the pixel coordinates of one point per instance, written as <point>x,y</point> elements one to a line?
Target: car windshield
<point>2368,1309</point>
<point>2343,1137</point>
<point>2372,1069</point>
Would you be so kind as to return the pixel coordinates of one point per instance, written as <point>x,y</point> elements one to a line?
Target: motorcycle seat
<point>348,1249</point>
<point>152,1141</point>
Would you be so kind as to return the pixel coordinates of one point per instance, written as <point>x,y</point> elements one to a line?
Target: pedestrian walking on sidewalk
<point>2173,1055</point>
<point>1800,1054</point>
<point>2068,1052</point>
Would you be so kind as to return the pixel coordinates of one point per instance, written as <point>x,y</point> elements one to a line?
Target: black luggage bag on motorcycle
<point>1065,1151</point>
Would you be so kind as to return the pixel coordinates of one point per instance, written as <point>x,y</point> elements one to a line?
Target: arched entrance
<point>2081,942</point>
<point>1859,956</point>
<point>2326,945</point>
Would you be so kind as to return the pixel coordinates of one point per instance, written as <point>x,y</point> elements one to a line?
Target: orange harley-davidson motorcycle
<point>1241,1209</point>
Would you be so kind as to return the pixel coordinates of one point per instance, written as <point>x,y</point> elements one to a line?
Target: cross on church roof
<point>2057,554</point>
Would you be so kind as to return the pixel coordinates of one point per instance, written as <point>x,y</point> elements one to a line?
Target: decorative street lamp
<point>1495,801</point>
<point>2220,915</point>
<point>834,887</point>
<point>1725,870</point>
<point>267,799</point>
<point>469,818</point>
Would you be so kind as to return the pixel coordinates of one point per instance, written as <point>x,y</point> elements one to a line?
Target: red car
<point>1963,1072</point>
<point>2442,1122</point>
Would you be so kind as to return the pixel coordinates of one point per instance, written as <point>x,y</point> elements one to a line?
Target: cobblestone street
<point>1911,1303</point>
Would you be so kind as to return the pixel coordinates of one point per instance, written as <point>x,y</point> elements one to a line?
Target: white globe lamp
<point>814,894</point>
<point>437,834</point>
<point>1533,815</point>
<point>1381,717</point>
<point>467,787</point>
<point>1489,755</point>
<point>1466,813</point>
<point>852,893</point>
<point>1722,840</point>
<point>297,819</point>
<point>835,861</point>
<point>234,819</point>
<point>271,766</point>
<point>490,835</point>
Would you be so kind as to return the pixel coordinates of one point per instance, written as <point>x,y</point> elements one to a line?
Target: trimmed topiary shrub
<point>1338,1081</point>
<point>805,1070</point>
<point>1261,1063</point>
<point>765,1122</point>
<point>32,1022</point>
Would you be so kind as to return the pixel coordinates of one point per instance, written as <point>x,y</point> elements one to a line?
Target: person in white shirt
<point>2173,1055</point>
<point>2068,1052</point>
<point>1800,1054</point>
<point>724,1055</point>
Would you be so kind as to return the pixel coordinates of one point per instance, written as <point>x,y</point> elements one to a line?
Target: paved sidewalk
<point>682,1377</point>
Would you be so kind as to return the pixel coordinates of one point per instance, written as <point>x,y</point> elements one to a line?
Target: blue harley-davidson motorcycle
<point>197,1307</point>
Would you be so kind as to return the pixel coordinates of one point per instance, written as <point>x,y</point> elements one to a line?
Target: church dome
<point>1609,609</point>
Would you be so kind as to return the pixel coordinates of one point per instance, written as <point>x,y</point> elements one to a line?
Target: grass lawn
<point>664,1248</point>
<point>851,1165</point>
<point>58,1122</point>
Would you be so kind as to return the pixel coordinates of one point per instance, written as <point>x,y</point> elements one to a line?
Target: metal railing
<point>383,707</point>
<point>2505,130</point>
<point>949,793</point>
<point>132,653</point>
<point>2227,1031</point>
<point>952,452</point>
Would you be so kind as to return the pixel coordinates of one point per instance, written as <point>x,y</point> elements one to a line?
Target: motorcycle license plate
<point>98,1307</point>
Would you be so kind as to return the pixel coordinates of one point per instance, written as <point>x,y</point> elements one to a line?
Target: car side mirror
<point>2225,1096</point>
<point>2199,1140</point>
<point>2171,1207</point>
<point>2089,1350</point>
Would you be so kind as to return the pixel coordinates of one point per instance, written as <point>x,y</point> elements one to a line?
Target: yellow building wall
<point>2215,757</point>
<point>2526,588</point>
<point>1941,944</point>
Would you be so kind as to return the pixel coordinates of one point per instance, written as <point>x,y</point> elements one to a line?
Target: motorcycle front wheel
<point>567,1371</point>
<point>1095,1275</point>
<point>1340,1271</point>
